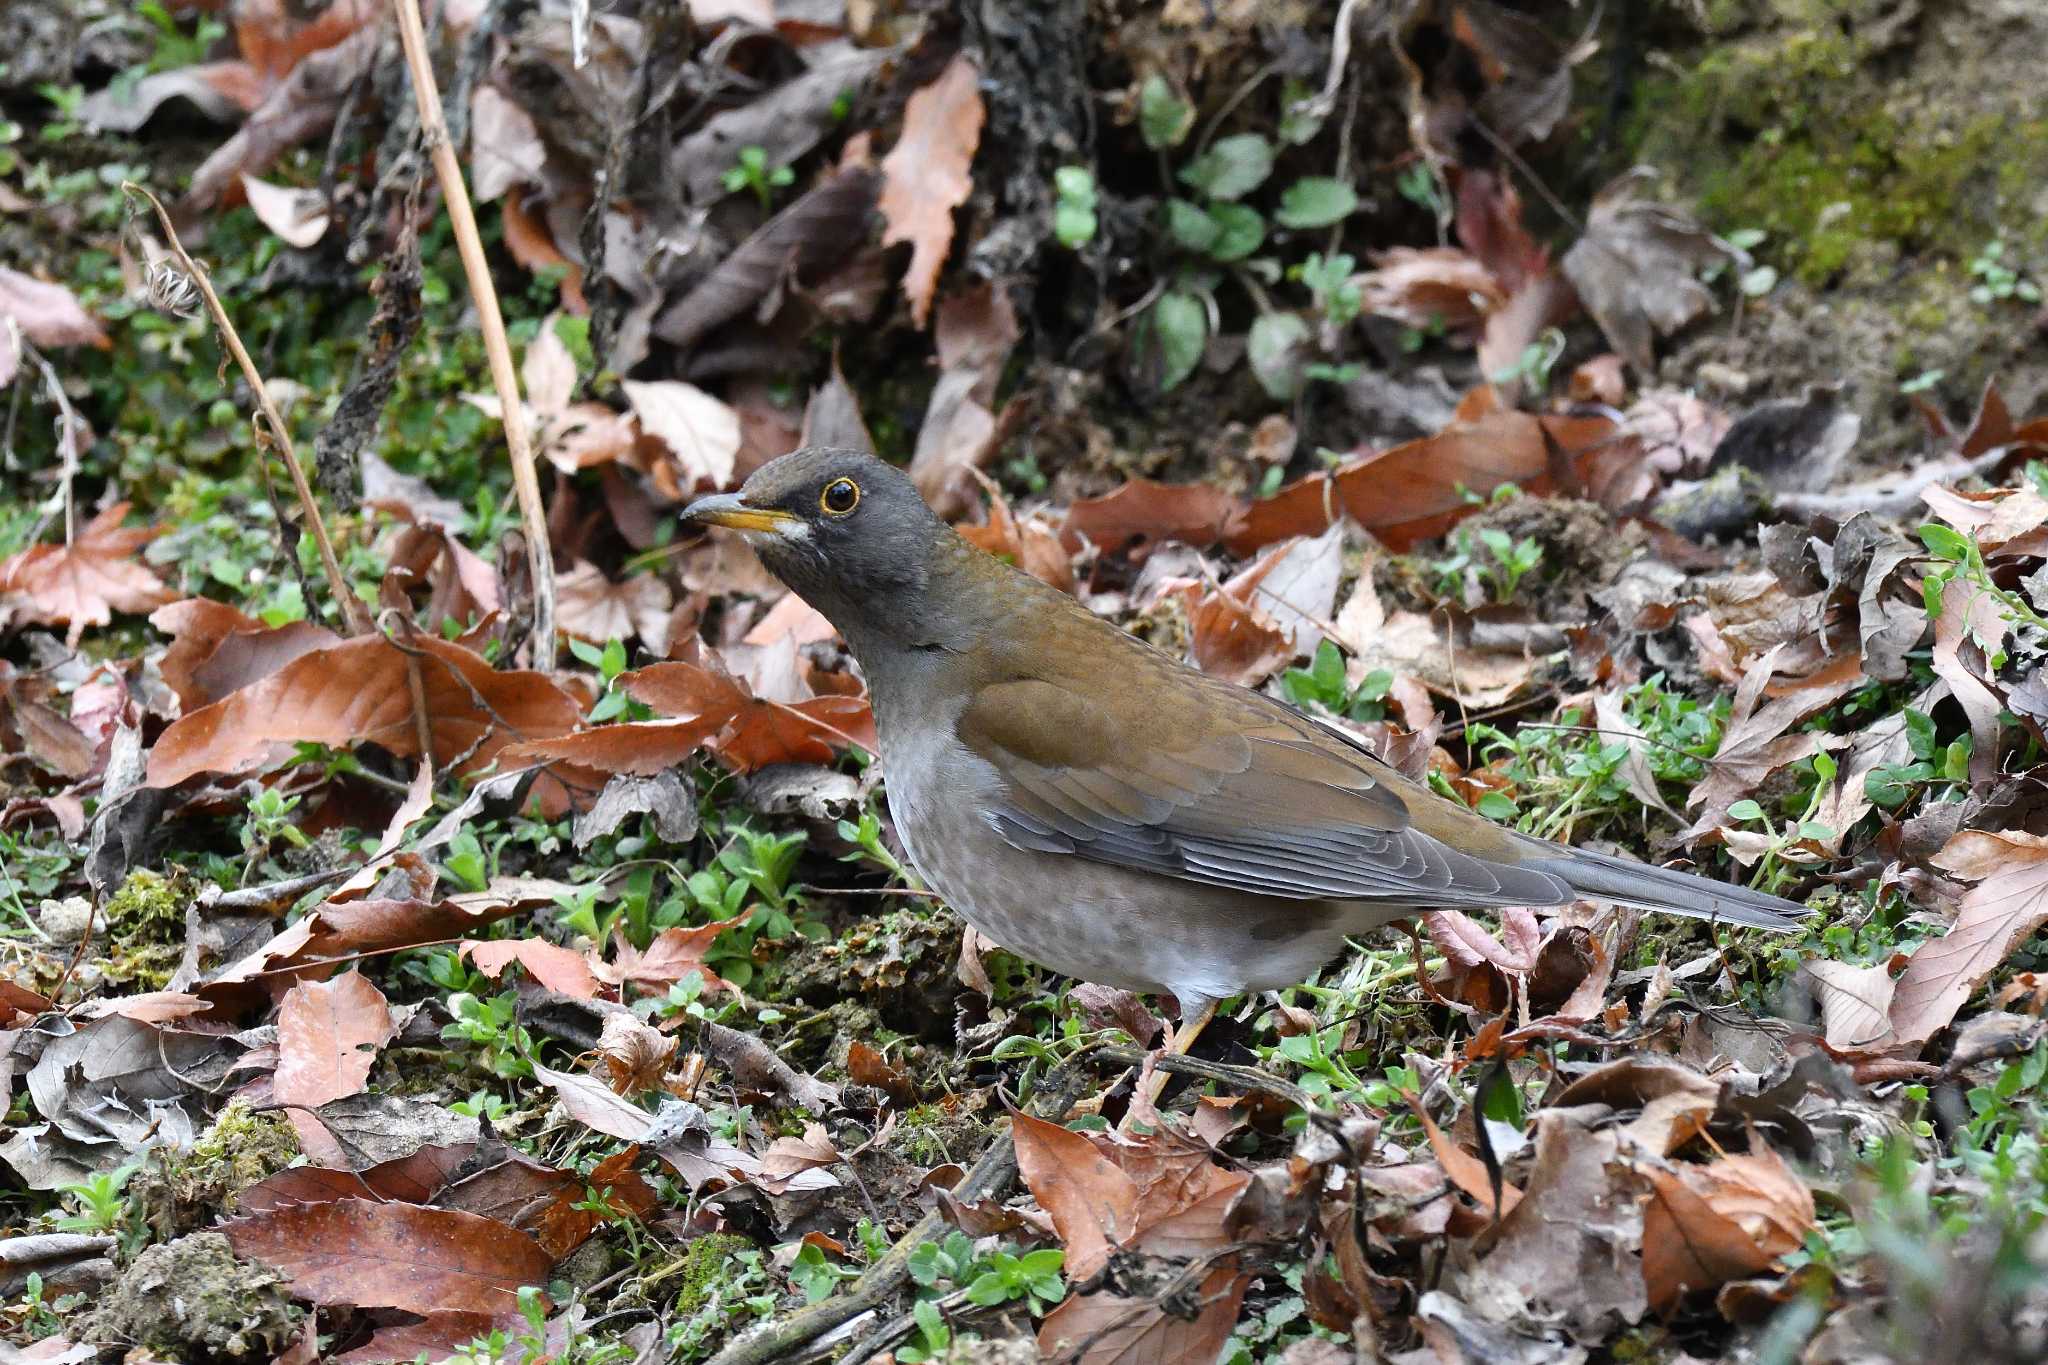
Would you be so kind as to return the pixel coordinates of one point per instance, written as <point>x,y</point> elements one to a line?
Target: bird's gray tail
<point>1600,877</point>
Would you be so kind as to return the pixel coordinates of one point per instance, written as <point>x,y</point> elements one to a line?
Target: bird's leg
<point>1195,1013</point>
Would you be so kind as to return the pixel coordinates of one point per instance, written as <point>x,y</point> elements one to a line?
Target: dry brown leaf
<point>298,216</point>
<point>357,692</point>
<point>504,145</point>
<point>926,176</point>
<point>216,650</point>
<point>389,1255</point>
<point>571,436</point>
<point>672,955</point>
<point>749,730</point>
<point>1110,1329</point>
<point>1416,490</point>
<point>48,314</point>
<point>328,1036</point>
<point>1143,513</point>
<point>558,968</point>
<point>84,583</point>
<point>635,1056</point>
<point>788,1157</point>
<point>1030,545</point>
<point>1230,638</point>
<point>1092,1203</point>
<point>1439,286</point>
<point>1634,267</point>
<point>1706,1225</point>
<point>303,103</point>
<point>976,329</point>
<point>2008,904</point>
<point>701,432</point>
<point>1855,1004</point>
<point>592,607</point>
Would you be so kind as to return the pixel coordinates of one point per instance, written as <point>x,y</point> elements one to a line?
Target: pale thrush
<point>1093,804</point>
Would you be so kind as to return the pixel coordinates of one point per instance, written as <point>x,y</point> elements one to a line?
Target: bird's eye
<point>840,497</point>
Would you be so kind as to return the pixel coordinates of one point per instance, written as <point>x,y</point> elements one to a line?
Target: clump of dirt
<point>193,1300</point>
<point>1581,548</point>
<point>900,965</point>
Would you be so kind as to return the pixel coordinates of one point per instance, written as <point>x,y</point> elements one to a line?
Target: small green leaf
<point>1073,225</point>
<point>1163,117</point>
<point>988,1289</point>
<point>1745,809</point>
<point>1299,122</point>
<point>1242,232</point>
<point>1274,349</point>
<point>1232,168</point>
<point>1920,733</point>
<point>1497,806</point>
<point>930,1325</point>
<point>1946,543</point>
<point>1316,201</point>
<point>1179,327</point>
<point>1190,227</point>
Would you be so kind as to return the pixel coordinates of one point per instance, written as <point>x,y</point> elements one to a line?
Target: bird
<point>1091,803</point>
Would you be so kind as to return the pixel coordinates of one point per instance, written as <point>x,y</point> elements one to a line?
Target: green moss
<point>707,1264</point>
<point>148,907</point>
<point>1792,133</point>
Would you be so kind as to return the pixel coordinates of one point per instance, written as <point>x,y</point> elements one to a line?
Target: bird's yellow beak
<point>730,510</point>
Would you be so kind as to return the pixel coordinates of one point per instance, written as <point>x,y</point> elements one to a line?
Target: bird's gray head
<point>849,533</point>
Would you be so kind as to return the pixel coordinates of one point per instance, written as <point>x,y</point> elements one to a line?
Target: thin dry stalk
<point>412,34</point>
<point>355,617</point>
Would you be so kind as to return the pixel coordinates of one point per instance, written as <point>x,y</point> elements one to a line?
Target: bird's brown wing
<point>1184,776</point>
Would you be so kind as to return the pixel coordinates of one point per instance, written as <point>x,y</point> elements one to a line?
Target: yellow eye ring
<point>839,497</point>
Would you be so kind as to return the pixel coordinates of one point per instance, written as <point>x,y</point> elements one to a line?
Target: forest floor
<point>447,916</point>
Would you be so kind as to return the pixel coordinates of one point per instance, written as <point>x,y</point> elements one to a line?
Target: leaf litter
<point>674,997</point>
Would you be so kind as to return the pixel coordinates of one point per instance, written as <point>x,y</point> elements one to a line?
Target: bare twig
<point>355,619</point>
<point>491,322</point>
<point>783,1339</point>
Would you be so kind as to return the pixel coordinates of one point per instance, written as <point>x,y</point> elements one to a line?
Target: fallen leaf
<point>49,314</point>
<point>1143,513</point>
<point>1706,1225</point>
<point>1416,490</point>
<point>504,145</point>
<point>1092,1203</point>
<point>215,650</point>
<point>926,176</point>
<point>593,607</point>
<point>84,583</point>
<point>976,329</point>
<point>635,1056</point>
<point>389,1255</point>
<point>1110,1329</point>
<point>672,955</point>
<point>558,968</point>
<point>1634,267</point>
<point>2008,903</point>
<point>1430,287</point>
<point>815,231</point>
<point>357,692</point>
<point>788,1157</point>
<point>1855,1004</point>
<point>700,431</point>
<point>328,1036</point>
<point>298,216</point>
<point>301,105</point>
<point>570,436</point>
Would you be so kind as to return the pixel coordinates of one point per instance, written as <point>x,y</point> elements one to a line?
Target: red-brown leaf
<point>372,1255</point>
<point>926,176</point>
